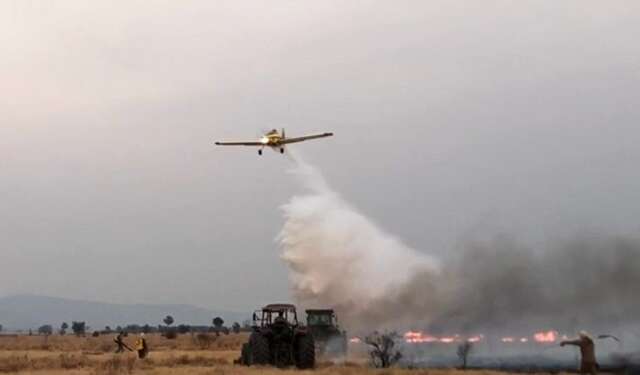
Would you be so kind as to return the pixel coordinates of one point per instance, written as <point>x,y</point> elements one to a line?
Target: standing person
<point>141,347</point>
<point>588,364</point>
<point>120,342</point>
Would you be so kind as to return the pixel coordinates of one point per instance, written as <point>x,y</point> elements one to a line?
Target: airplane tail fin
<point>283,134</point>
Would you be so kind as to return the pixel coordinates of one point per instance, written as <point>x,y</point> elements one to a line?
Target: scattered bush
<point>79,328</point>
<point>204,340</point>
<point>183,329</point>
<point>46,330</point>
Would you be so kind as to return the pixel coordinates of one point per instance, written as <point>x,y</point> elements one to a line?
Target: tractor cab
<point>324,317</point>
<point>277,313</point>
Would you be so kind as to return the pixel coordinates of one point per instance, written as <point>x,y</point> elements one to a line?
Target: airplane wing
<point>239,143</point>
<point>305,138</point>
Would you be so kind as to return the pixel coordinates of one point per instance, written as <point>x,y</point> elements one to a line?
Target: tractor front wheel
<point>258,350</point>
<point>244,355</point>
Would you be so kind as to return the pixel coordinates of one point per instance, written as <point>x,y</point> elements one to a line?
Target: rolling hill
<point>23,312</point>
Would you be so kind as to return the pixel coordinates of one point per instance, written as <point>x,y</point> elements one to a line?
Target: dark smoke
<point>588,281</point>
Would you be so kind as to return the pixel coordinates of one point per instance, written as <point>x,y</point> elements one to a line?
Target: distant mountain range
<point>24,312</point>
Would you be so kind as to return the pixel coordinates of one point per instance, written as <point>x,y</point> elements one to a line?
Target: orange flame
<point>475,339</point>
<point>546,337</point>
<point>414,337</point>
<point>542,337</point>
<point>418,337</point>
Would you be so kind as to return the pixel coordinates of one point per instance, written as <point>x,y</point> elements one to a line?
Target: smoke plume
<point>340,259</point>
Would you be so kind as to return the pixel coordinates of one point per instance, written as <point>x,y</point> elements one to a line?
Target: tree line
<point>80,328</point>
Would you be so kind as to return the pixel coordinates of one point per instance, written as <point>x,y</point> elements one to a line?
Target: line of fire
<point>418,337</point>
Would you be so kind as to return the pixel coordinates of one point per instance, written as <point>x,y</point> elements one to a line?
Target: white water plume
<point>337,256</point>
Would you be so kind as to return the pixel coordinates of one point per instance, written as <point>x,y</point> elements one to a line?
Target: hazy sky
<point>452,119</point>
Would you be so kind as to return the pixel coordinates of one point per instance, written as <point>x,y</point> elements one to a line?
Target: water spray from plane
<point>341,259</point>
<point>337,256</point>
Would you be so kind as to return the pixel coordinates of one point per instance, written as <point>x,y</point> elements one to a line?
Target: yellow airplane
<point>275,140</point>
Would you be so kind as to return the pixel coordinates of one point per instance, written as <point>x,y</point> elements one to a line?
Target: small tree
<point>218,323</point>
<point>79,328</point>
<point>46,330</point>
<point>236,327</point>
<point>107,330</point>
<point>382,350</point>
<point>464,349</point>
<point>63,328</point>
<point>168,320</point>
<point>0,327</point>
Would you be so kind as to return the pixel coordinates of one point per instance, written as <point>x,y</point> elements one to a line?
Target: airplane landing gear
<point>282,150</point>
<point>259,152</point>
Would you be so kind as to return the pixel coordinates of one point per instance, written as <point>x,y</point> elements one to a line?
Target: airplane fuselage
<point>272,140</point>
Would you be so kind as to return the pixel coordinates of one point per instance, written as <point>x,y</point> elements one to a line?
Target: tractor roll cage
<point>266,316</point>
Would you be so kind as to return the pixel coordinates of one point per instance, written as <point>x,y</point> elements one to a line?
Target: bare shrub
<point>464,349</point>
<point>382,351</point>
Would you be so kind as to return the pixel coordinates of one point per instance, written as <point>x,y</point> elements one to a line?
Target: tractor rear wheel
<point>258,350</point>
<point>305,352</point>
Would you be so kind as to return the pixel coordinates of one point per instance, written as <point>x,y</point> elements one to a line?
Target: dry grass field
<point>184,355</point>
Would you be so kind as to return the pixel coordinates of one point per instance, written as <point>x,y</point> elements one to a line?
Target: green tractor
<point>330,340</point>
<point>277,339</point>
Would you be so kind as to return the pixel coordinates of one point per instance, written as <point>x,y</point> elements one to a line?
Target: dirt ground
<point>187,354</point>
